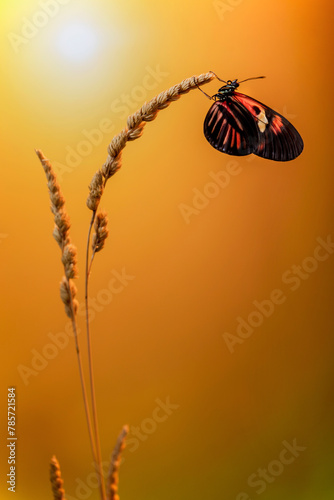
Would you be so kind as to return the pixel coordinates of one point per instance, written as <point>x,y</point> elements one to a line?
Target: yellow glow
<point>251,231</point>
<point>77,42</point>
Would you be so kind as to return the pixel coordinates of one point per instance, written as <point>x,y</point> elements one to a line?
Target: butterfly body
<point>239,125</point>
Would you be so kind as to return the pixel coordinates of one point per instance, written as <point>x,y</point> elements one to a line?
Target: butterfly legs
<point>199,88</point>
<point>207,95</point>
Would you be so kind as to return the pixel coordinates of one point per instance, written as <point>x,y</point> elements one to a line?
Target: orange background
<point>164,334</point>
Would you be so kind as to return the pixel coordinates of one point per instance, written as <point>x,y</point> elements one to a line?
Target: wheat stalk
<point>133,130</point>
<point>67,288</point>
<point>61,234</point>
<point>114,465</point>
<point>56,480</point>
<point>101,233</point>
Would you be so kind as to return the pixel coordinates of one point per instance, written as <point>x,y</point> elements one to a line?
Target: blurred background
<point>212,302</point>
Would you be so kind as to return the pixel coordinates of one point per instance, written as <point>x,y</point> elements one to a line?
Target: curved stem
<point>82,380</point>
<point>81,375</point>
<point>91,261</point>
<point>133,131</point>
<point>91,371</point>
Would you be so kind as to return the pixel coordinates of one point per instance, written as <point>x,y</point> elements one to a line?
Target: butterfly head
<point>229,88</point>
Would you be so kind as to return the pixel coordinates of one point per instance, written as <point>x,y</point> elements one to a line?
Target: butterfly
<point>239,125</point>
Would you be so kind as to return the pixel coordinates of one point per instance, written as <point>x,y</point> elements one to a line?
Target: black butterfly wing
<point>277,138</point>
<point>230,128</point>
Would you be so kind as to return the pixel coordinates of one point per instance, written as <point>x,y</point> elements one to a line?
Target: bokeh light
<point>77,42</point>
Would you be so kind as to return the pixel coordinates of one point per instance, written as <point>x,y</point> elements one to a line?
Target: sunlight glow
<point>77,42</point>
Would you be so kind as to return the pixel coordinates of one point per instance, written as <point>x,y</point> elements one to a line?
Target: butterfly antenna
<point>253,78</point>
<point>217,77</point>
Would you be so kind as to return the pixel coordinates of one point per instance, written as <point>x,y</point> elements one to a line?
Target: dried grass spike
<point>137,132</point>
<point>56,480</point>
<point>115,463</point>
<point>56,197</point>
<point>118,143</point>
<point>61,219</point>
<point>136,123</point>
<point>57,236</point>
<point>68,292</point>
<point>110,168</point>
<point>101,231</point>
<point>95,191</point>
<point>69,260</point>
<point>62,222</point>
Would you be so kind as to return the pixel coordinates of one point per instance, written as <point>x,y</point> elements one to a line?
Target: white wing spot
<point>262,120</point>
